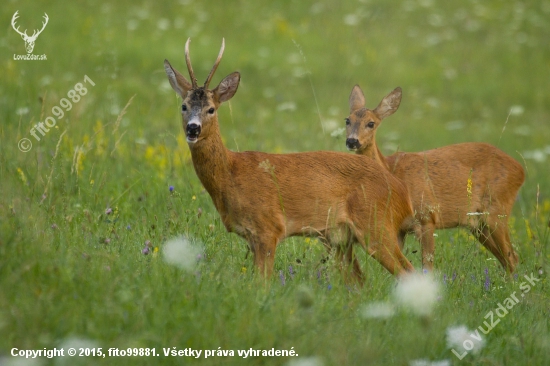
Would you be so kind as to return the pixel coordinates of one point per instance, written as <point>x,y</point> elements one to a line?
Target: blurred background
<point>84,212</point>
<point>470,71</point>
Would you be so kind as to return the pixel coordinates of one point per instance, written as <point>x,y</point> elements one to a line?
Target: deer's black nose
<point>193,130</point>
<point>353,144</point>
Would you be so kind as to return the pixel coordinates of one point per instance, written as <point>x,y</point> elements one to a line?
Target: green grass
<point>68,270</point>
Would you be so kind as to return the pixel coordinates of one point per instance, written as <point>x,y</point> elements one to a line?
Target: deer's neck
<point>211,160</point>
<point>374,153</point>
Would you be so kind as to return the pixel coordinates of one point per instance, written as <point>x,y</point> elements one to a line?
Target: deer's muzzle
<point>352,144</point>
<point>193,131</point>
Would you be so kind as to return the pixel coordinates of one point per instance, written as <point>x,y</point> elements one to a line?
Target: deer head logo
<point>29,40</point>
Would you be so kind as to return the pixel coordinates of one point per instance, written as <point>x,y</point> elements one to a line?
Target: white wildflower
<point>417,292</point>
<point>338,132</point>
<point>287,106</point>
<point>20,361</point>
<point>163,24</point>
<point>22,111</point>
<point>351,19</point>
<point>379,310</point>
<point>460,338</point>
<point>181,253</point>
<point>331,124</point>
<point>306,361</point>
<point>430,363</point>
<point>77,344</point>
<point>517,110</point>
<point>454,125</point>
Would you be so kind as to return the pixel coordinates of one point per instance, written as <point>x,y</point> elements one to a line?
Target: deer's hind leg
<point>385,249</point>
<point>495,236</point>
<point>426,238</point>
<point>342,240</point>
<point>492,228</point>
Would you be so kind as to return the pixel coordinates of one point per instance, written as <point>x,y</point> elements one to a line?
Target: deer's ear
<point>356,99</point>
<point>227,88</point>
<point>389,104</point>
<point>177,81</point>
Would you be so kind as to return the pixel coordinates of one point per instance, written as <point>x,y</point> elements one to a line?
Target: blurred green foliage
<point>470,71</point>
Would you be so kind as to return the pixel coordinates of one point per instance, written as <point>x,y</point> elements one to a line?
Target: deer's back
<point>460,178</point>
<point>316,189</point>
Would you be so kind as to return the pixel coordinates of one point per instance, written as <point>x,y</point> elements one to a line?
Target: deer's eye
<point>211,110</point>
<point>348,122</point>
<point>183,107</point>
<point>370,125</point>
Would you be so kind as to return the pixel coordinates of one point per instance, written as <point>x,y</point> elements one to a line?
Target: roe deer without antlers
<point>264,198</point>
<point>468,184</point>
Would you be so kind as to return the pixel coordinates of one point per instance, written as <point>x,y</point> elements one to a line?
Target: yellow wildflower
<point>22,176</point>
<point>528,229</point>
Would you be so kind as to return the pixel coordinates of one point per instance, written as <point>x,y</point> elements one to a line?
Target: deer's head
<point>200,104</point>
<point>29,40</point>
<point>362,123</point>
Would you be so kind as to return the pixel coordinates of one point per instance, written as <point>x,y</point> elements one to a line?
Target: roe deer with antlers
<point>468,184</point>
<point>264,198</point>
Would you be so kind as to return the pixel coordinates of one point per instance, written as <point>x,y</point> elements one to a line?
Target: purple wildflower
<point>487,280</point>
<point>128,227</point>
<point>291,271</point>
<point>171,188</point>
<point>145,250</point>
<point>108,211</point>
<point>282,277</point>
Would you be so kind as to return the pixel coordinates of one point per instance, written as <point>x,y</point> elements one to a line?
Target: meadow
<point>86,212</point>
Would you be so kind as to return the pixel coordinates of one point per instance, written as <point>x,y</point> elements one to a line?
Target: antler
<point>189,67</point>
<point>34,35</point>
<point>215,65</point>
<point>13,19</point>
<point>24,34</point>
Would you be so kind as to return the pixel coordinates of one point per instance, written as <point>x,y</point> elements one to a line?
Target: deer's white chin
<point>191,140</point>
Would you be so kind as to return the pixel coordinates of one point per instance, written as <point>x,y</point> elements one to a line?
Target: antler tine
<point>14,17</point>
<point>215,65</point>
<point>189,67</point>
<point>13,20</point>
<point>43,25</point>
